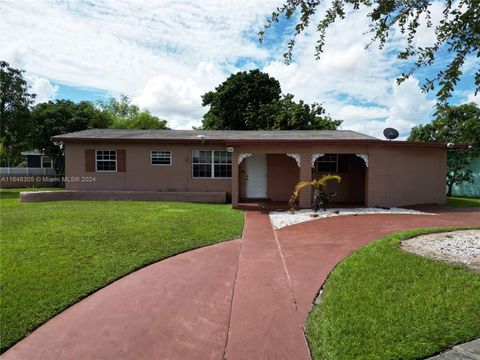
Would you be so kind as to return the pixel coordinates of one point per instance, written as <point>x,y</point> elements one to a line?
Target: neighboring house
<point>37,171</point>
<point>470,189</point>
<point>256,165</point>
<point>36,159</point>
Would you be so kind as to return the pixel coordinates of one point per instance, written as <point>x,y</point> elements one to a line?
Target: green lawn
<point>463,201</point>
<point>55,253</point>
<point>384,303</point>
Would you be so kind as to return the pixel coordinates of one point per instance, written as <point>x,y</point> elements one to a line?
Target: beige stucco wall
<point>282,176</point>
<point>139,174</point>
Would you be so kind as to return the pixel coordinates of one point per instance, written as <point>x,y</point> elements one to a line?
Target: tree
<point>15,120</point>
<point>457,33</point>
<point>253,101</point>
<point>235,104</point>
<point>454,124</point>
<point>321,198</point>
<point>286,114</point>
<point>63,116</point>
<point>126,115</point>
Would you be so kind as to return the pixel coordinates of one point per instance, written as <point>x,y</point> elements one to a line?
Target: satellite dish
<point>390,133</point>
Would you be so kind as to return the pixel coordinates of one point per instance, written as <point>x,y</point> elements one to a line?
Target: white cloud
<point>120,45</point>
<point>178,99</point>
<point>408,107</point>
<point>355,84</point>
<point>352,113</point>
<point>426,35</point>
<point>153,52</point>
<point>166,54</point>
<point>42,88</point>
<point>474,98</point>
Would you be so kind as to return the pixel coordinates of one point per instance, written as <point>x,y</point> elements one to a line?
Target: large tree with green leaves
<point>15,120</point>
<point>286,114</point>
<point>253,101</point>
<point>125,115</point>
<point>235,104</point>
<point>458,125</point>
<point>457,33</point>
<point>63,116</point>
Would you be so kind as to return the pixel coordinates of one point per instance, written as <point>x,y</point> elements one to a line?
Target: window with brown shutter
<point>121,160</point>
<point>89,160</point>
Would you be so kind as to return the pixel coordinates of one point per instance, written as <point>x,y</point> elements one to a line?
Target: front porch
<point>266,181</point>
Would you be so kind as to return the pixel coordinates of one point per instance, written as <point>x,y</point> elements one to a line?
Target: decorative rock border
<point>281,219</point>
<point>460,246</point>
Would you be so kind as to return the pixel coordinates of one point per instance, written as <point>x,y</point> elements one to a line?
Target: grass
<point>55,253</point>
<point>384,303</point>
<point>458,201</point>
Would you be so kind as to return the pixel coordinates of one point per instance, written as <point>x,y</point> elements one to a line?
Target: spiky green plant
<point>321,198</point>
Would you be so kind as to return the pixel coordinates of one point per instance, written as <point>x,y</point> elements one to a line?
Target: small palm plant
<point>321,198</point>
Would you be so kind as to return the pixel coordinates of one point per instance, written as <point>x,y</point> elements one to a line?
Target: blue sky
<point>164,55</point>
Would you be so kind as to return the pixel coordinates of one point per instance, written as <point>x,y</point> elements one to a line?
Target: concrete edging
<point>200,197</point>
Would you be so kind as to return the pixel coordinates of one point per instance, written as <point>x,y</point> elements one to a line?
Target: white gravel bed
<point>461,246</point>
<point>281,219</point>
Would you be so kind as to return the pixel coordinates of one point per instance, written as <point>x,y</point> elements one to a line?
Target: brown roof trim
<point>136,141</point>
<point>343,142</point>
<point>374,142</point>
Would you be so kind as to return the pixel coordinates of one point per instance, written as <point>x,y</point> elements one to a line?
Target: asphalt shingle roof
<point>295,135</point>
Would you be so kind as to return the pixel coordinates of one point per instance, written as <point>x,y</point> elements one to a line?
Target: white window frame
<point>164,151</point>
<point>41,162</point>
<point>322,160</point>
<point>212,165</point>
<point>107,171</point>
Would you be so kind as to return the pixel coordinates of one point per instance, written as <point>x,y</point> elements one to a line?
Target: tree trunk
<point>59,165</point>
<point>316,199</point>
<point>449,188</point>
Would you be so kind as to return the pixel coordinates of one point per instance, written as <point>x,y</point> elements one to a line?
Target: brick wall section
<point>400,177</point>
<point>139,174</point>
<point>397,175</point>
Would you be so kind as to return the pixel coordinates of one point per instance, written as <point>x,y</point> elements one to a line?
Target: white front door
<point>256,176</point>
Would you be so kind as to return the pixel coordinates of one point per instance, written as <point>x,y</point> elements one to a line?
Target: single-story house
<point>37,159</point>
<point>255,165</point>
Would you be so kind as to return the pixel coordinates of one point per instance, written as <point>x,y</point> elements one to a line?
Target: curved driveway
<point>243,299</point>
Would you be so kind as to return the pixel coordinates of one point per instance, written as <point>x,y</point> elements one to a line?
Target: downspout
<point>185,186</point>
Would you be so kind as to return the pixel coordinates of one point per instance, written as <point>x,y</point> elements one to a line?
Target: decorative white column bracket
<point>243,156</point>
<point>364,157</point>
<point>297,158</point>
<point>315,157</point>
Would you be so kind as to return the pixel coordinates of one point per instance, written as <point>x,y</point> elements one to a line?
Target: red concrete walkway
<point>244,299</point>
<point>175,309</point>
<point>311,249</point>
<point>264,322</point>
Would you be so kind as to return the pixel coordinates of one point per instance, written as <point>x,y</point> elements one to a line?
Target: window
<point>46,162</point>
<point>106,160</point>
<point>160,157</point>
<point>328,162</point>
<point>211,164</point>
<point>222,164</point>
